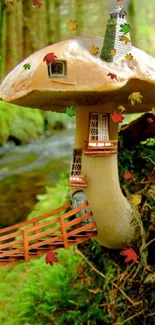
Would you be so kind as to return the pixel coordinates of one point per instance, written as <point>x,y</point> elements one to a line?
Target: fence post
<point>26,245</point>
<point>64,234</point>
<point>36,223</point>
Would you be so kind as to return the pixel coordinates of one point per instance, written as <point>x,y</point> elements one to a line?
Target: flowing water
<point>26,170</point>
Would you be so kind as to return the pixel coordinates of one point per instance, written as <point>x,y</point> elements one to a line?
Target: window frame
<point>57,75</point>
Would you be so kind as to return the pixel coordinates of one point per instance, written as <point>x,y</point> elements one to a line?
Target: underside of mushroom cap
<point>86,82</point>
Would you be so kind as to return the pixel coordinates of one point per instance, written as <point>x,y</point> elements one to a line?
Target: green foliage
<point>109,41</point>
<point>70,111</point>
<point>22,123</point>
<point>53,198</point>
<point>125,28</point>
<point>45,295</point>
<point>26,124</point>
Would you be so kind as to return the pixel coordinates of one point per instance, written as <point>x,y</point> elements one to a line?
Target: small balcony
<point>78,181</point>
<point>100,147</point>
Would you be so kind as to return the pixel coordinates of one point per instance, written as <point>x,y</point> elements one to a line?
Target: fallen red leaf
<point>130,255</point>
<point>127,175</point>
<point>51,257</point>
<point>150,120</point>
<point>50,57</point>
<point>37,3</point>
<point>117,117</point>
<point>112,76</point>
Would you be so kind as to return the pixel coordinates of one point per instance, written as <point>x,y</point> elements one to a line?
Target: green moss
<point>109,40</point>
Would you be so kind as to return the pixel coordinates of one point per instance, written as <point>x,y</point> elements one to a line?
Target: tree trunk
<point>27,47</point>
<point>79,17</point>
<point>11,38</point>
<point>2,36</point>
<point>57,34</point>
<point>132,21</point>
<point>49,22</point>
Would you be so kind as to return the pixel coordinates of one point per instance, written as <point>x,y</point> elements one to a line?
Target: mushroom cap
<point>86,83</point>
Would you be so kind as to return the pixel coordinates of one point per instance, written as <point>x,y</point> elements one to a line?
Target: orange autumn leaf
<point>127,175</point>
<point>112,76</point>
<point>130,255</point>
<point>117,117</point>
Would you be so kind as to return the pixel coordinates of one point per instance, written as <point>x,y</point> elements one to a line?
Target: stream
<point>26,170</point>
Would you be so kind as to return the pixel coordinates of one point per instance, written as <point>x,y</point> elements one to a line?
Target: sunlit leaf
<point>125,39</point>
<point>113,52</point>
<point>122,108</point>
<point>93,50</point>
<point>135,97</point>
<point>136,199</point>
<point>129,56</point>
<point>72,25</point>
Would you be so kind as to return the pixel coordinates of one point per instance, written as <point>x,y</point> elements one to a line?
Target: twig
<point>149,159</point>
<point>131,317</point>
<point>150,242</point>
<point>89,263</point>
<point>123,293</point>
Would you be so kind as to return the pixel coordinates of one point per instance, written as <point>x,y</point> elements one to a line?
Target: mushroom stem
<point>111,210</point>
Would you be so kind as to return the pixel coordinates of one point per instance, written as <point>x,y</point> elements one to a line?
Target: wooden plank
<point>75,210</point>
<point>80,229</point>
<point>79,219</point>
<point>6,245</point>
<point>26,245</point>
<point>44,233</point>
<point>44,242</point>
<point>8,253</point>
<point>64,234</point>
<point>44,216</point>
<point>44,224</point>
<point>13,234</point>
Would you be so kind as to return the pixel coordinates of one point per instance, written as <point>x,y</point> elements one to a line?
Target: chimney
<point>113,34</point>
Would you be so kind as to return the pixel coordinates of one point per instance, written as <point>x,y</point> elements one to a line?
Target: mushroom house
<point>99,87</point>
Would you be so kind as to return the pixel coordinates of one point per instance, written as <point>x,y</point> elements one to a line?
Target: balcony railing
<point>100,147</point>
<point>78,181</point>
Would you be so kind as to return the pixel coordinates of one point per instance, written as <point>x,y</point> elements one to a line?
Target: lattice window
<point>77,162</point>
<point>98,129</point>
<point>57,69</point>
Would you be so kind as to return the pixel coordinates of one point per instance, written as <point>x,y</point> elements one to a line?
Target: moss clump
<point>109,40</point>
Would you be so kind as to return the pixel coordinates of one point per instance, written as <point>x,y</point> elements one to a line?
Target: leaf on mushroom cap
<point>86,82</point>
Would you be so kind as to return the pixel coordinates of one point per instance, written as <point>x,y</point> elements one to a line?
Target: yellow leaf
<point>122,108</point>
<point>136,199</point>
<point>93,50</point>
<point>135,97</point>
<point>125,39</point>
<point>129,56</point>
<point>153,111</point>
<point>72,25</point>
<point>113,52</point>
